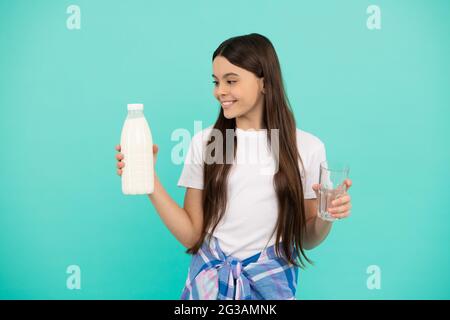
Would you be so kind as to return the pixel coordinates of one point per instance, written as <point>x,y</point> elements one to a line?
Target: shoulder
<point>308,143</point>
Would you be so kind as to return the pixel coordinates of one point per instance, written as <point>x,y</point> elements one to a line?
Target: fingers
<point>341,211</point>
<point>342,200</point>
<point>119,156</point>
<point>341,215</point>
<point>340,207</point>
<point>118,148</point>
<point>120,165</point>
<point>348,183</point>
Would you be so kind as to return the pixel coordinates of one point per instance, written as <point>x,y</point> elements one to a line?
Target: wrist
<point>321,223</point>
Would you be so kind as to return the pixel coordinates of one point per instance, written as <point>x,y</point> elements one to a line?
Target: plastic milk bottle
<point>137,147</point>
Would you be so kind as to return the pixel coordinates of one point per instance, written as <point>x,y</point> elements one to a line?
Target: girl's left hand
<point>340,206</point>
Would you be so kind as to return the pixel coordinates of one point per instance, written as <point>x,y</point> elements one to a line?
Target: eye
<point>229,82</point>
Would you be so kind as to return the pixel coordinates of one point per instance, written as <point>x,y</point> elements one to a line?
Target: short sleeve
<point>313,171</point>
<point>192,173</point>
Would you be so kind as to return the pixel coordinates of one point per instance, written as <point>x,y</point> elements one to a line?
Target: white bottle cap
<point>135,106</point>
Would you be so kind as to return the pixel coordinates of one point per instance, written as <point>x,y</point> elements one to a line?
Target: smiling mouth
<point>228,104</point>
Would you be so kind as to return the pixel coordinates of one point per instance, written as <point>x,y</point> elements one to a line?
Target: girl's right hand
<point>120,157</point>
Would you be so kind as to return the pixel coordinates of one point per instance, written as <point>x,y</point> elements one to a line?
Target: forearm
<point>317,230</point>
<point>175,218</point>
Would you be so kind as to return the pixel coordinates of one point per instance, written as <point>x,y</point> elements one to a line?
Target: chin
<point>229,114</point>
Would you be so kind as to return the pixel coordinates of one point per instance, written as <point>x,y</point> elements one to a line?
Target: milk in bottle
<point>137,147</point>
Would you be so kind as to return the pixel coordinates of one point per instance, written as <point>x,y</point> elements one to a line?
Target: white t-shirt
<point>252,209</point>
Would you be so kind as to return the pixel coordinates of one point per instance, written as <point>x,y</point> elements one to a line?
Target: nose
<point>222,90</point>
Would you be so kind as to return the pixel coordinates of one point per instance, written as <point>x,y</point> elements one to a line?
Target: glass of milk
<point>332,186</point>
<point>137,147</point>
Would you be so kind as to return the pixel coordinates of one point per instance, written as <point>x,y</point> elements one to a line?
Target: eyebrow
<point>227,74</point>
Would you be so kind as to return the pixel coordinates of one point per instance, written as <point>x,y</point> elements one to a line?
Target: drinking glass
<point>332,186</point>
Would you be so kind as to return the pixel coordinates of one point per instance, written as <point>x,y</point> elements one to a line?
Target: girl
<point>248,227</point>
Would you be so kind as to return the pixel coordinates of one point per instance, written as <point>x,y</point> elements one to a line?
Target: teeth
<point>227,103</point>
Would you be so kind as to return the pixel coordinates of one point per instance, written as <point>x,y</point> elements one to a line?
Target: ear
<point>261,84</point>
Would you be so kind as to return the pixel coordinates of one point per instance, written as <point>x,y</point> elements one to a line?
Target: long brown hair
<point>256,54</point>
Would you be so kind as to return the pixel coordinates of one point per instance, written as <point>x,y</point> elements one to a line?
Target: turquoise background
<point>377,98</point>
